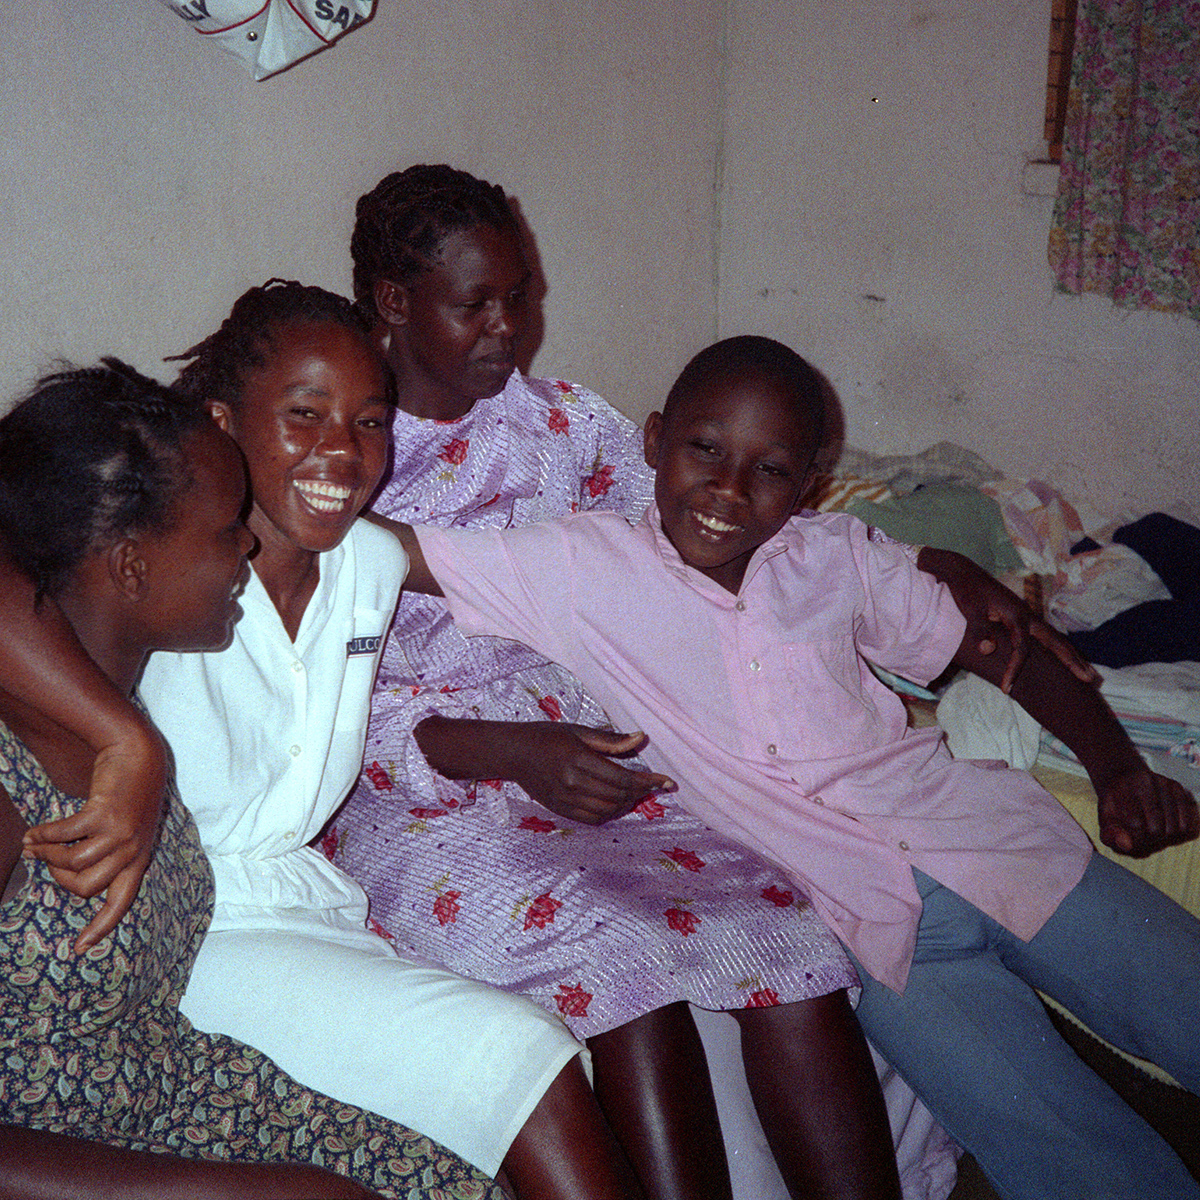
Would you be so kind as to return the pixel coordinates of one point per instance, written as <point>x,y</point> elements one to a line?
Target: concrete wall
<point>148,179</point>
<point>873,218</point>
<point>845,176</point>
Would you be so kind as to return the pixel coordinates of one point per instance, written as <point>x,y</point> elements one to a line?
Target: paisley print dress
<point>95,1046</point>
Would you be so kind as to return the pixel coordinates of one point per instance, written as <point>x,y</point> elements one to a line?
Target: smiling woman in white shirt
<point>268,736</point>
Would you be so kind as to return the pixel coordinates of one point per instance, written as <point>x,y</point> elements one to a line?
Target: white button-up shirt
<point>268,734</point>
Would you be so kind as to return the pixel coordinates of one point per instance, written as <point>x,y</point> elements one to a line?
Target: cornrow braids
<point>89,456</point>
<point>216,367</point>
<point>402,222</point>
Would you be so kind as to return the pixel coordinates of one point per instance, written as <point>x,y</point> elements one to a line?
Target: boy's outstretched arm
<point>107,844</point>
<point>1139,811</point>
<point>990,608</point>
<point>419,578</point>
<point>569,769</point>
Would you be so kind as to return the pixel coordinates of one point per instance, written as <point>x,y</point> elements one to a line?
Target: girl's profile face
<point>196,569</point>
<point>313,425</point>
<point>454,336</point>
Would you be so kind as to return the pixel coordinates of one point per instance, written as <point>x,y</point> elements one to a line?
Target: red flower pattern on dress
<point>381,779</point>
<point>454,451</point>
<point>650,808</point>
<point>550,706</point>
<point>375,927</point>
<point>537,824</point>
<point>446,907</point>
<point>681,920</point>
<point>497,785</point>
<point>423,814</point>
<point>767,998</point>
<point>541,911</point>
<point>329,842</point>
<point>557,421</point>
<point>572,1001</point>
<point>777,896</point>
<point>600,481</point>
<point>689,860</point>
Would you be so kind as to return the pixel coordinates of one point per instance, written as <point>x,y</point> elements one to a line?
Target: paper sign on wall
<point>273,35</point>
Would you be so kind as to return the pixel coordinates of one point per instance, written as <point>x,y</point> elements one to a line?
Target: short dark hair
<point>749,354</point>
<point>216,367</point>
<point>401,223</point>
<point>89,456</point>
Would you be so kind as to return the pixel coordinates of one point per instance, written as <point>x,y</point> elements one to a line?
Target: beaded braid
<point>401,223</point>
<point>91,455</point>
<point>216,367</point>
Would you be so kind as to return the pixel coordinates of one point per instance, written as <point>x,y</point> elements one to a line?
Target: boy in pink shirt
<point>736,636</point>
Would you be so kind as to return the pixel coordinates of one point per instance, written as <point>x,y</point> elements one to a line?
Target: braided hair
<point>89,456</point>
<point>402,222</point>
<point>216,367</point>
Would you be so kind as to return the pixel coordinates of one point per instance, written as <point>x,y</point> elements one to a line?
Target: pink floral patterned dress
<point>600,924</point>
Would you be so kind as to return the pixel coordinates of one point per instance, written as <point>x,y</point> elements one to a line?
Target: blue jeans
<point>975,1043</point>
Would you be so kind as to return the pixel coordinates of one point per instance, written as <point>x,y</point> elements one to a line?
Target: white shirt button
<point>295,751</point>
<point>297,666</point>
<point>740,606</point>
<point>755,665</point>
<point>771,749</point>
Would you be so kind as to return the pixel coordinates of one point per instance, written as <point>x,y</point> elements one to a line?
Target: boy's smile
<point>732,462</point>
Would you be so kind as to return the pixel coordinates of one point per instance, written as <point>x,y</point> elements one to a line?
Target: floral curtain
<point>1127,218</point>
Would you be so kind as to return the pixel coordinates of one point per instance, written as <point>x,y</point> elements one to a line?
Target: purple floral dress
<point>600,924</point>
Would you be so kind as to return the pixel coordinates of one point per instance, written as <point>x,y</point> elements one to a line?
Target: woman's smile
<point>313,424</point>
<point>324,497</point>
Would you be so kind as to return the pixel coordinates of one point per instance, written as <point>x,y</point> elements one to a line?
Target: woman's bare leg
<point>818,1098</point>
<point>566,1150</point>
<point>37,1165</point>
<point>652,1083</point>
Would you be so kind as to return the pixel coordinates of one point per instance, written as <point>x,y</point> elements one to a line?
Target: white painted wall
<point>147,180</point>
<point>873,218</point>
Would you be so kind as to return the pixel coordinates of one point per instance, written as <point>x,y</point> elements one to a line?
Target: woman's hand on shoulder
<point>1000,625</point>
<point>107,845</point>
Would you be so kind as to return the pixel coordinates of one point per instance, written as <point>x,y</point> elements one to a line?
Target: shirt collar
<point>673,563</point>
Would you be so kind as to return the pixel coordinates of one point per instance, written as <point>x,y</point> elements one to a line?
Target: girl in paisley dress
<point>132,524</point>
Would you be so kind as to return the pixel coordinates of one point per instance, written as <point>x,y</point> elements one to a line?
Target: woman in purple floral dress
<point>481,825</point>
